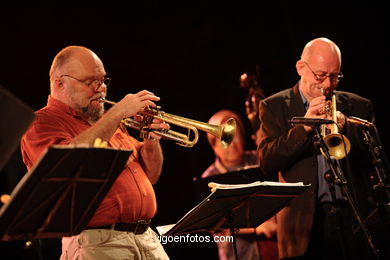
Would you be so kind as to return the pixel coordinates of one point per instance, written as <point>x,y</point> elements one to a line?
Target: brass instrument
<point>338,144</point>
<point>224,132</point>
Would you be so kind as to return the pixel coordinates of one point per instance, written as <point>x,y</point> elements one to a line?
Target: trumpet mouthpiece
<point>103,100</point>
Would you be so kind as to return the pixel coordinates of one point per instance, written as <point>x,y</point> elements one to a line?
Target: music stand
<point>60,194</point>
<point>244,175</point>
<point>245,207</point>
<point>15,119</point>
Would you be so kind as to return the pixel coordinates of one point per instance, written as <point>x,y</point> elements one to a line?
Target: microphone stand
<point>378,177</point>
<point>336,176</point>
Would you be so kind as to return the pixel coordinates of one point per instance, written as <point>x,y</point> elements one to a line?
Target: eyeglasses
<point>94,83</point>
<point>322,76</point>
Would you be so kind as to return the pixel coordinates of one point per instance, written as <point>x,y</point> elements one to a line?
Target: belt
<point>138,227</point>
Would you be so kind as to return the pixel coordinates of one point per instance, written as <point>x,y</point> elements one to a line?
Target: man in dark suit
<point>308,228</point>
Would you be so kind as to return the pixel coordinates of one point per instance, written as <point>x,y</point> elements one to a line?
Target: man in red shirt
<point>74,115</point>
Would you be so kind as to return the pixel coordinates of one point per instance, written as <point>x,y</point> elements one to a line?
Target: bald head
<point>319,67</point>
<point>77,61</point>
<point>321,50</point>
<point>66,56</point>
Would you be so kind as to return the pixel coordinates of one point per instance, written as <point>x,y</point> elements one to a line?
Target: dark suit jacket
<point>289,152</point>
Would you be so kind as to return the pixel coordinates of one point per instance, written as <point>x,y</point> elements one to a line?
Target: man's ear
<point>299,66</point>
<point>58,83</point>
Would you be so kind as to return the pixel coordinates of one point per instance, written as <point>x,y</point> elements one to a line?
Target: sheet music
<point>164,229</point>
<point>214,185</point>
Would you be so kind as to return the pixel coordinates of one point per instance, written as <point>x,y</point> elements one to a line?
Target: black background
<point>192,57</point>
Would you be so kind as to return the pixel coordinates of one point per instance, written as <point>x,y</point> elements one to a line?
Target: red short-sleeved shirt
<point>131,197</point>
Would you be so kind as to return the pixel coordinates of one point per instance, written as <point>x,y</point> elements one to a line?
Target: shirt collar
<point>59,105</point>
<point>305,102</point>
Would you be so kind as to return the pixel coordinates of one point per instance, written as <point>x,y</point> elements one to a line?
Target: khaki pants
<point>104,244</point>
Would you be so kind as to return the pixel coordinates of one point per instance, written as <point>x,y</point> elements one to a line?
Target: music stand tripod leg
<point>233,230</point>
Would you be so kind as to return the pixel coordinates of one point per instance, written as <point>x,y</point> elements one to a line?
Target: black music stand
<point>15,118</point>
<point>234,208</point>
<point>61,193</point>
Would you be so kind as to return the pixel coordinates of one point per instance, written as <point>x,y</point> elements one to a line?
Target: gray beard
<point>90,114</point>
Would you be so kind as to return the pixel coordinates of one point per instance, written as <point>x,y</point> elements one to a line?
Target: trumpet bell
<point>228,132</point>
<point>225,132</point>
<point>338,145</point>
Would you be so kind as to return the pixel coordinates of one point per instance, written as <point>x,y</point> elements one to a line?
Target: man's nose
<point>329,84</point>
<point>101,88</point>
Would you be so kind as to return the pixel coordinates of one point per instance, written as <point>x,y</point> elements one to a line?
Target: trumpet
<point>337,144</point>
<point>224,132</point>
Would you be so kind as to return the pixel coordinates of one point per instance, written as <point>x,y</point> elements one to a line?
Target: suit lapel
<point>343,105</point>
<point>295,103</point>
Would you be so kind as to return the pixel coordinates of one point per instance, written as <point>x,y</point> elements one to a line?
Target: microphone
<point>358,121</point>
<point>310,121</point>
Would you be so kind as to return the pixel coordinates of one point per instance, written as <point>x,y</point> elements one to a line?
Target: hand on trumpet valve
<point>131,104</point>
<point>160,126</point>
<point>326,109</point>
<point>322,108</point>
<point>315,110</point>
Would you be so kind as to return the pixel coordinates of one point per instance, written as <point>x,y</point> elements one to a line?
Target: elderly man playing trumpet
<point>75,115</point>
<point>319,224</point>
